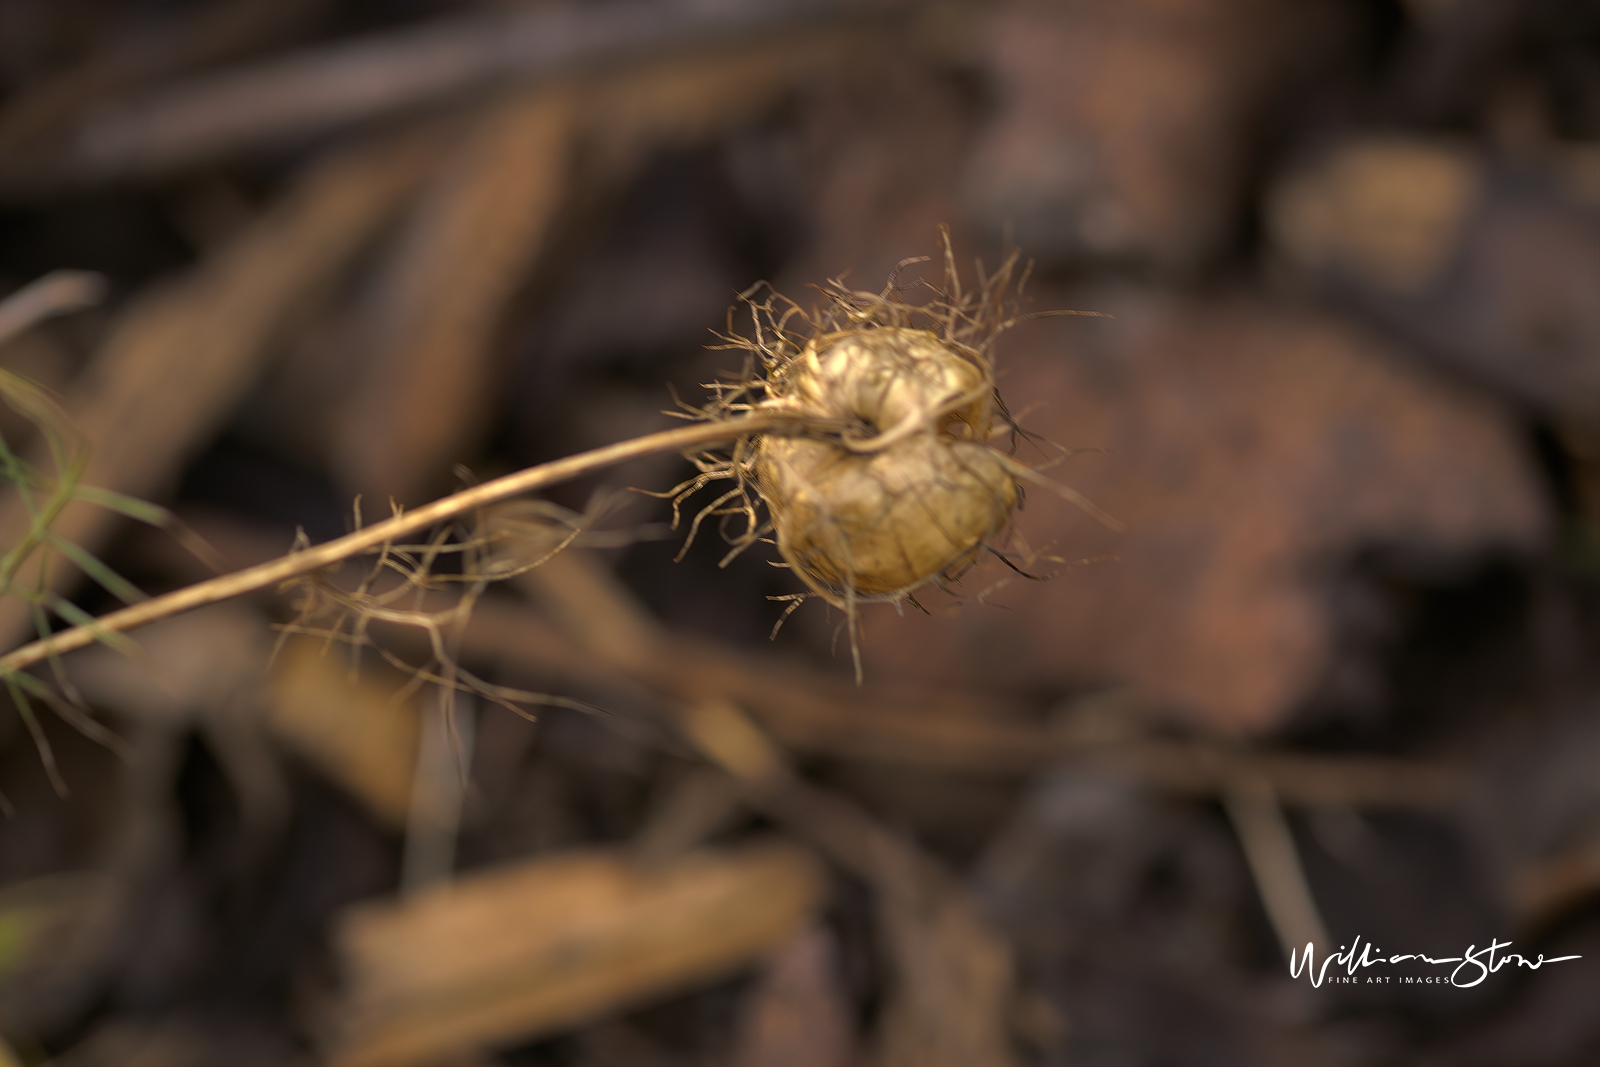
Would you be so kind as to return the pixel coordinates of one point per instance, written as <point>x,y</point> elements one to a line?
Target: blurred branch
<point>602,631</point>
<point>438,787</point>
<point>1295,778</point>
<point>35,121</point>
<point>333,87</point>
<point>1268,845</point>
<point>54,294</point>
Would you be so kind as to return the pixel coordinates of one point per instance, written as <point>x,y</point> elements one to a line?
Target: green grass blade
<point>132,507</point>
<point>110,580</point>
<point>74,714</point>
<point>47,755</point>
<point>78,617</point>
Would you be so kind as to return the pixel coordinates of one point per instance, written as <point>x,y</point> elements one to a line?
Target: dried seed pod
<point>908,489</point>
<point>886,480</point>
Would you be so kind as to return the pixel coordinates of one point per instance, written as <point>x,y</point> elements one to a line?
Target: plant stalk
<point>329,553</point>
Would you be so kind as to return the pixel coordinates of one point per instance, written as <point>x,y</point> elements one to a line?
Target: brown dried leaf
<point>466,249</point>
<point>508,954</point>
<point>1254,451</point>
<point>360,729</point>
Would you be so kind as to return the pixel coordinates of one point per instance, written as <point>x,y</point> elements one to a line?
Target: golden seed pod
<point>881,478</point>
<point>908,489</point>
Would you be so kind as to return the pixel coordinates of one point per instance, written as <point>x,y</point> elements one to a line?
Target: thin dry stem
<point>310,560</point>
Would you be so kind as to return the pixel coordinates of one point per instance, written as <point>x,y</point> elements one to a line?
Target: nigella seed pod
<point>885,477</point>
<point>909,489</point>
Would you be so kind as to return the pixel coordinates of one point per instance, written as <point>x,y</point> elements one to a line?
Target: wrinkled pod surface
<point>909,489</point>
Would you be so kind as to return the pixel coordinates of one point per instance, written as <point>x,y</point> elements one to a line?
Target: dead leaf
<point>508,954</point>
<point>357,727</point>
<point>1252,452</point>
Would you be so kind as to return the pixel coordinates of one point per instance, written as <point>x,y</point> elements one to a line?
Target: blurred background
<point>1338,680</point>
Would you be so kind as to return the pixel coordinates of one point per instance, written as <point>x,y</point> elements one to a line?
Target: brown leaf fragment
<point>1387,211</point>
<point>359,728</point>
<point>432,319</point>
<point>508,954</point>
